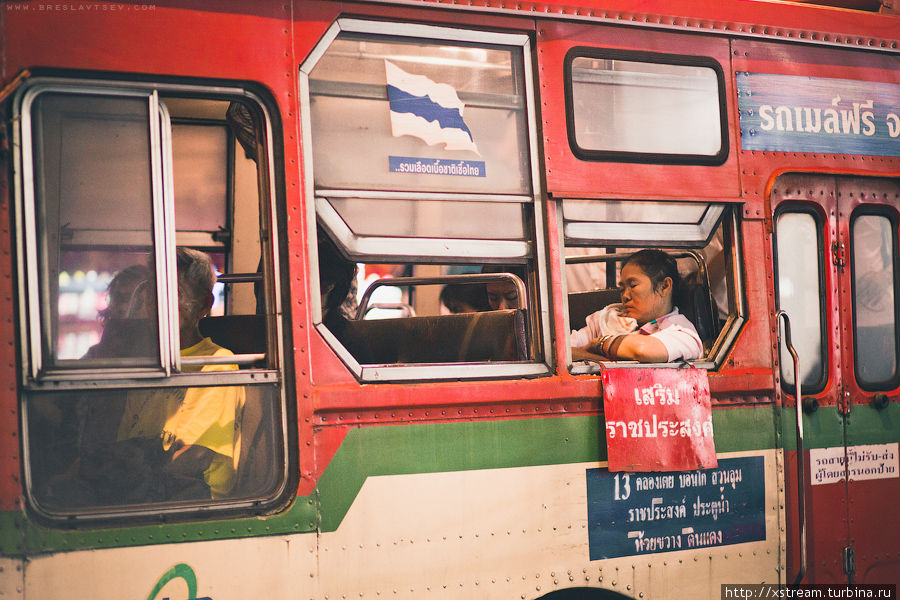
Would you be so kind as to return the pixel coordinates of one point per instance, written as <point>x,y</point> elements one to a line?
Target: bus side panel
<point>567,176</point>
<point>748,369</point>
<point>10,468</point>
<point>826,505</point>
<point>12,578</point>
<point>268,567</point>
<point>874,478</point>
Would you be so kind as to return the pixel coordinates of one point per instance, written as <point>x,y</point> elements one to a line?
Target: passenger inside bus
<point>336,276</point>
<point>171,443</point>
<point>125,326</point>
<point>503,294</point>
<point>199,428</point>
<point>646,326</point>
<point>459,298</point>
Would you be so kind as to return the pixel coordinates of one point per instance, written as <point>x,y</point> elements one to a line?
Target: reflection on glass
<point>629,106</point>
<point>478,93</point>
<point>423,219</point>
<point>799,295</point>
<point>630,211</point>
<point>92,156</point>
<point>874,302</point>
<point>97,449</point>
<point>199,164</point>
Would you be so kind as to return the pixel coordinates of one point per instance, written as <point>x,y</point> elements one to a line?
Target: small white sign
<point>875,461</point>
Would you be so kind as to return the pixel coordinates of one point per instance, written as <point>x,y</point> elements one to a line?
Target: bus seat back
<point>242,334</point>
<point>697,308</point>
<point>497,335</point>
<point>582,304</point>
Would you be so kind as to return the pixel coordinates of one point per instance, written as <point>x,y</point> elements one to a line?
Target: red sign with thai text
<point>658,420</point>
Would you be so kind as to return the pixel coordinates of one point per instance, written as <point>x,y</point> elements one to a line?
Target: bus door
<point>836,276</point>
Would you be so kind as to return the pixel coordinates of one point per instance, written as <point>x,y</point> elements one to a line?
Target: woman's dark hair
<point>517,270</point>
<point>334,269</point>
<point>657,265</point>
<point>472,294</point>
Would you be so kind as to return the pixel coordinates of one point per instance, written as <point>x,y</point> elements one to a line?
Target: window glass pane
<point>630,106</point>
<point>411,115</point>
<point>637,223</point>
<point>874,283</point>
<point>138,439</point>
<point>412,218</point>
<point>199,159</point>
<point>799,294</point>
<point>91,450</point>
<point>634,211</point>
<point>94,206</point>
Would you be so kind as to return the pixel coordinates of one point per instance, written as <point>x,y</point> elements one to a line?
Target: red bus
<point>409,207</point>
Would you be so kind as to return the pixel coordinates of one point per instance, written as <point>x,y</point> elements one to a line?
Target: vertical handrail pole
<point>801,477</point>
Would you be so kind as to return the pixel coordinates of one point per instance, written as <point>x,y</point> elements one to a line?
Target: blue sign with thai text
<point>436,166</point>
<point>812,114</point>
<point>646,513</point>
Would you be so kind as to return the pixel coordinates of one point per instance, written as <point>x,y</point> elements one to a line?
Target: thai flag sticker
<point>426,109</point>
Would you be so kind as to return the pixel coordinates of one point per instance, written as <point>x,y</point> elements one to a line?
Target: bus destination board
<point>645,513</point>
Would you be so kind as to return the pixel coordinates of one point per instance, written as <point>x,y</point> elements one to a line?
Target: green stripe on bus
<point>464,446</point>
<point>824,428</point>
<point>393,450</point>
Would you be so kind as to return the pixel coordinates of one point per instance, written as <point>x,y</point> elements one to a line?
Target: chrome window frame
<point>700,233</point>
<point>25,214</point>
<point>635,233</point>
<point>430,250</point>
<point>31,272</point>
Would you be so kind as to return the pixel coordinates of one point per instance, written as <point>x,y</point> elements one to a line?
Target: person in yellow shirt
<point>198,428</point>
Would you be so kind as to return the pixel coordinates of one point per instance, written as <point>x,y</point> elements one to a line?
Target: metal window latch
<point>848,556</point>
<point>839,255</point>
<point>222,236</point>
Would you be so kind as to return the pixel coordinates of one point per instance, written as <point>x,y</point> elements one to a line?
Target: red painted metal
<point>569,177</point>
<point>10,479</point>
<point>777,19</point>
<point>266,42</point>
<point>826,526</point>
<point>658,420</point>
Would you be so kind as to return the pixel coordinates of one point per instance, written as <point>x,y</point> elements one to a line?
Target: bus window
<point>628,106</point>
<point>151,377</point>
<point>873,245</point>
<point>443,196</point>
<point>601,236</point>
<point>799,288</point>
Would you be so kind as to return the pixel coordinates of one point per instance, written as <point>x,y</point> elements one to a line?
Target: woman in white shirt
<point>647,326</point>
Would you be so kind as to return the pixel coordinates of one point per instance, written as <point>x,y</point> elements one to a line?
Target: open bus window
<point>601,235</point>
<point>440,199</point>
<point>406,314</point>
<point>151,372</point>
